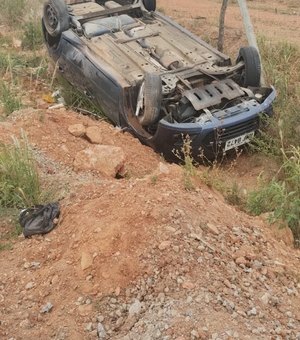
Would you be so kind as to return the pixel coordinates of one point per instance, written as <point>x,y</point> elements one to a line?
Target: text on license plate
<point>237,141</point>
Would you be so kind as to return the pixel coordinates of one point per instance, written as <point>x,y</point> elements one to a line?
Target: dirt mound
<point>140,257</point>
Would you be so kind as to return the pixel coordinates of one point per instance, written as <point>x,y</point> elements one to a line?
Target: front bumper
<point>208,138</point>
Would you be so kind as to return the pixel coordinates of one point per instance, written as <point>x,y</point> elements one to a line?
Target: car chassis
<point>154,77</point>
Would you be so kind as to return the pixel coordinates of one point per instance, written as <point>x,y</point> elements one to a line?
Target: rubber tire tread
<point>150,5</point>
<point>152,99</point>
<point>251,58</point>
<point>62,17</point>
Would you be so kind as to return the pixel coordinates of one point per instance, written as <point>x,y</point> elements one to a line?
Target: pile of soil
<point>140,257</point>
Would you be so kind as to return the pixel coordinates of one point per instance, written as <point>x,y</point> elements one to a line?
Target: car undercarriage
<point>164,81</point>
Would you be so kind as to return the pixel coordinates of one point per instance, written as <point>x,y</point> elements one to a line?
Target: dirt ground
<point>142,257</point>
<point>275,20</point>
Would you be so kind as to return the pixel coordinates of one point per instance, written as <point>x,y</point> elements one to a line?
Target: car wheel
<point>56,17</point>
<point>51,42</point>
<point>152,99</point>
<point>150,5</point>
<point>251,73</point>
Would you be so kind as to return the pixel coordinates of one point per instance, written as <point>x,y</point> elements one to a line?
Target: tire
<point>252,71</point>
<point>56,17</point>
<point>152,99</point>
<point>150,5</point>
<point>51,42</point>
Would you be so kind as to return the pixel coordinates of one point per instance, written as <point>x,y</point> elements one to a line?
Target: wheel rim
<point>51,16</point>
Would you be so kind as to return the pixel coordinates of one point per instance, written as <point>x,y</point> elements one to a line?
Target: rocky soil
<point>139,257</point>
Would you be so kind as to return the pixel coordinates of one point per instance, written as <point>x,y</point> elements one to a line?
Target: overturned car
<point>154,77</point>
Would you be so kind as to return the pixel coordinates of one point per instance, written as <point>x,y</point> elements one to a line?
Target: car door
<point>90,79</point>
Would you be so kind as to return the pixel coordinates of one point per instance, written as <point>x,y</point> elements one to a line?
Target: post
<point>250,31</point>
<point>222,25</point>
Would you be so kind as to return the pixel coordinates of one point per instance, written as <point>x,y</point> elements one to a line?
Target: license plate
<point>240,140</point>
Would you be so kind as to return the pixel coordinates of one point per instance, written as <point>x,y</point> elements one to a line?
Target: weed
<point>33,36</point>
<point>281,196</point>
<point>153,179</point>
<point>8,98</point>
<point>234,196</point>
<point>282,66</point>
<point>5,40</point>
<point>19,180</point>
<point>12,11</point>
<point>9,218</point>
<point>18,63</point>
<point>184,155</point>
<point>5,246</point>
<point>266,198</point>
<point>78,101</point>
<point>161,10</point>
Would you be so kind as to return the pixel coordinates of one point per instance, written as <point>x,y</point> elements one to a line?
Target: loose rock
<point>77,130</point>
<point>105,159</point>
<point>46,308</point>
<point>94,135</point>
<point>86,260</point>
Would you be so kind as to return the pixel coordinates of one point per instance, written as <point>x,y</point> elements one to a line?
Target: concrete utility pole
<point>250,31</point>
<point>222,25</point>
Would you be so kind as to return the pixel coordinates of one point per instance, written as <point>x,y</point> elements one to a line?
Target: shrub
<point>19,180</point>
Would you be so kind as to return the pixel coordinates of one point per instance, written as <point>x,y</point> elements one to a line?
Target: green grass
<point>9,99</point>
<point>19,180</point>
<point>18,64</point>
<point>281,63</point>
<point>281,196</point>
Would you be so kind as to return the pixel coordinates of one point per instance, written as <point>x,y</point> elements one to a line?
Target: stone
<point>241,260</point>
<point>86,260</point>
<point>252,312</point>
<point>46,308</point>
<point>195,334</point>
<point>94,135</point>
<point>108,160</point>
<point>164,245</point>
<point>25,324</point>
<point>77,130</point>
<point>135,308</point>
<point>17,43</point>
<point>163,168</point>
<point>212,229</point>
<point>100,318</point>
<point>265,298</point>
<point>101,331</point>
<point>188,285</point>
<point>227,283</point>
<point>85,310</point>
<point>117,291</point>
<point>29,285</point>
